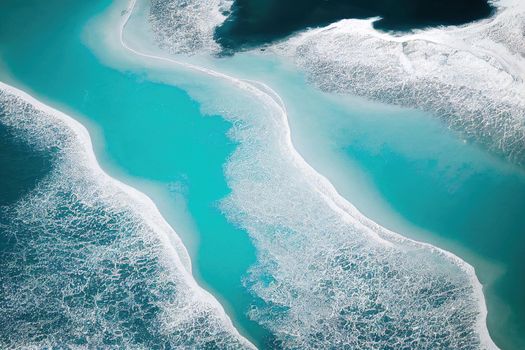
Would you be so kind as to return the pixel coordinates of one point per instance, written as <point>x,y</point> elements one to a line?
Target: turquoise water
<point>409,173</point>
<point>143,132</point>
<point>427,184</point>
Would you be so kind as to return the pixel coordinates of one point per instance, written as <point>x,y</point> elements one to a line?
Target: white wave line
<point>322,185</point>
<point>151,214</point>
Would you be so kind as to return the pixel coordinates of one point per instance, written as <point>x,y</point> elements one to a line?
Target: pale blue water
<point>154,136</point>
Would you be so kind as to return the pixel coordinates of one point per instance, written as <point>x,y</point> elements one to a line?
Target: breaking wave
<point>88,262</point>
<point>471,76</point>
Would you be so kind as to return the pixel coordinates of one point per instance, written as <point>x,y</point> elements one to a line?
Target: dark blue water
<point>21,166</point>
<point>256,22</point>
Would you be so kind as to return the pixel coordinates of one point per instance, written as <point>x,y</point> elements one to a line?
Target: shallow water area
<point>262,166</point>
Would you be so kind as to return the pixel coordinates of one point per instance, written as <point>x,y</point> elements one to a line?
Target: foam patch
<point>471,77</point>
<point>187,26</point>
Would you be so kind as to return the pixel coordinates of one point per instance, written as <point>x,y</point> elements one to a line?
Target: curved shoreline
<point>146,208</point>
<point>326,190</point>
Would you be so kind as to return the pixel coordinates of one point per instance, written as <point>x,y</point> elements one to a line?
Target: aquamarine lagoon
<point>295,217</point>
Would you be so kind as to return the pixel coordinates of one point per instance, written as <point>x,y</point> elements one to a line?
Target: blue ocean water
<point>253,23</point>
<point>155,137</point>
<point>18,158</point>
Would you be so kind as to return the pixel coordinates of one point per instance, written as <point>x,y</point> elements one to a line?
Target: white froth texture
<point>187,26</point>
<point>85,265</point>
<point>326,277</point>
<point>326,280</point>
<point>471,76</point>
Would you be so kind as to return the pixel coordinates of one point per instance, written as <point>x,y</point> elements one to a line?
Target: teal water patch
<point>408,172</point>
<point>150,134</point>
<point>20,167</point>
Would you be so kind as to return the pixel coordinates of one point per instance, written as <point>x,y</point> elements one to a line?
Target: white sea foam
<point>91,262</point>
<point>470,76</point>
<point>191,24</point>
<point>327,276</point>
